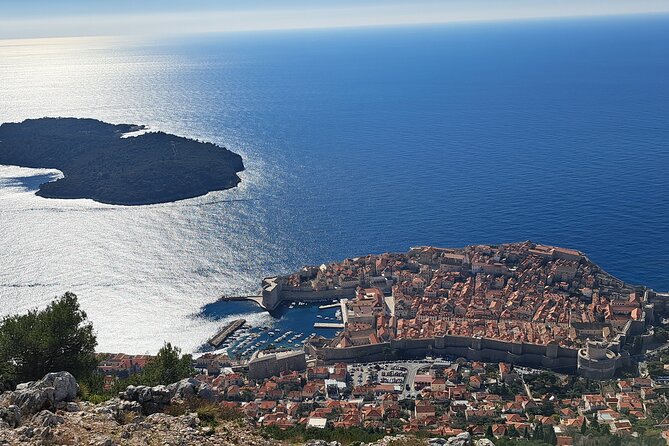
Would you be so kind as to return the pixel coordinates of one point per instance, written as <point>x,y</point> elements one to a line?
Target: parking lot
<point>378,373</point>
<point>401,373</point>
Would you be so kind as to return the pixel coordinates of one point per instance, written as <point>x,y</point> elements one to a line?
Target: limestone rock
<point>184,389</point>
<point>47,418</point>
<point>205,392</point>
<point>31,401</point>
<point>321,443</point>
<point>463,439</point>
<point>47,393</point>
<point>64,385</point>
<point>72,407</point>
<point>161,394</point>
<point>11,415</point>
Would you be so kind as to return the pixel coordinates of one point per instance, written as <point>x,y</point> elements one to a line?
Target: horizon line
<point>335,26</point>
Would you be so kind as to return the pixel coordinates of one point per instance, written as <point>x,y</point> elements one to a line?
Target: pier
<point>336,325</point>
<point>325,307</point>
<point>256,299</point>
<point>229,329</point>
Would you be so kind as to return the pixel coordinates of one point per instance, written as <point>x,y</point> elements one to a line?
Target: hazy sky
<point>48,18</point>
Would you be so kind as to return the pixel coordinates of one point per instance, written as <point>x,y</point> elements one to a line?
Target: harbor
<point>250,339</point>
<point>290,326</point>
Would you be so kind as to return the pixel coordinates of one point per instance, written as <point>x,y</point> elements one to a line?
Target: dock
<point>225,332</point>
<point>325,307</point>
<point>336,325</point>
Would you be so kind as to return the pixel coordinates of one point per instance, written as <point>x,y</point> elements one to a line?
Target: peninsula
<point>523,303</point>
<point>100,164</point>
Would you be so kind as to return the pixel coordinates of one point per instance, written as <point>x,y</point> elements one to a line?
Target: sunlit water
<point>354,142</point>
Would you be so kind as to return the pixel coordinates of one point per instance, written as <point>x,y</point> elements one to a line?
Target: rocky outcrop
<point>322,443</point>
<point>463,439</point>
<point>96,425</point>
<point>52,392</point>
<point>155,399</point>
<point>47,418</point>
<point>119,410</point>
<point>45,412</point>
<point>396,440</point>
<point>191,388</point>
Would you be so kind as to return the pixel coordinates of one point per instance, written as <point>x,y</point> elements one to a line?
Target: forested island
<point>99,164</point>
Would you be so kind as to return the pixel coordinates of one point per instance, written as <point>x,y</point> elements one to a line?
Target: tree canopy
<point>58,338</point>
<point>167,367</point>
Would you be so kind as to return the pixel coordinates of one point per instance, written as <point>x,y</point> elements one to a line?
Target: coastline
<point>363,281</point>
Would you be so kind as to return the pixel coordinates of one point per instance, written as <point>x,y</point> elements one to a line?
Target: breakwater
<point>225,332</point>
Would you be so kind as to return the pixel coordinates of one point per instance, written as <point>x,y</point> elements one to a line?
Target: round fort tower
<point>597,361</point>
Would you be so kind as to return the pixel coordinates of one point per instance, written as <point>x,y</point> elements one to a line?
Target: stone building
<point>264,364</point>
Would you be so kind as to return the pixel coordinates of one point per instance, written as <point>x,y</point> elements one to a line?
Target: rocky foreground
<point>47,412</point>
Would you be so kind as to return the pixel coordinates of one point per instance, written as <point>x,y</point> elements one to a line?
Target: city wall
<point>474,349</point>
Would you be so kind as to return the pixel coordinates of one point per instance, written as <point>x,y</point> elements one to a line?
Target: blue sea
<point>355,141</point>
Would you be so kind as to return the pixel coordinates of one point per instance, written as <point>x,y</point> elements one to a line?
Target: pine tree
<point>512,432</point>
<point>538,434</point>
<point>167,367</point>
<point>550,436</point>
<point>594,424</point>
<point>58,338</point>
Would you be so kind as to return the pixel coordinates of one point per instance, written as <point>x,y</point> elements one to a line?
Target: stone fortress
<point>522,303</point>
<point>265,364</point>
<point>598,360</point>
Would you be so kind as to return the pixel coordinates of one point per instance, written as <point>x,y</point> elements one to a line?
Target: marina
<point>285,328</point>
